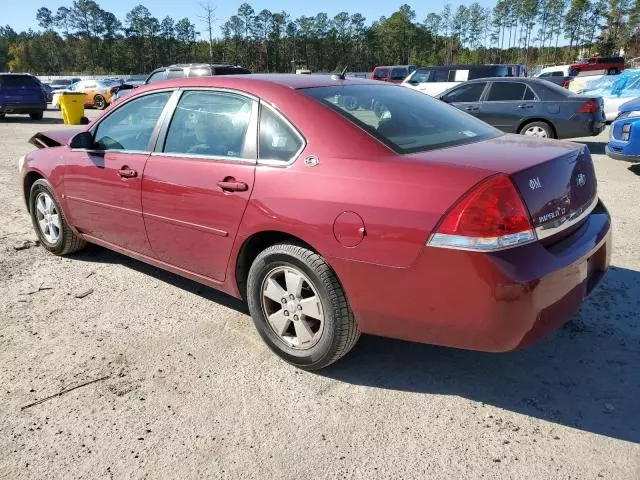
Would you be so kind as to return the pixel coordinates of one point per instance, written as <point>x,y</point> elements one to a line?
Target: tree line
<point>85,38</point>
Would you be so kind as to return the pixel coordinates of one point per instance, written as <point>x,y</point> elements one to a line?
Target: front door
<point>466,97</point>
<point>197,184</point>
<point>507,104</point>
<point>102,185</point>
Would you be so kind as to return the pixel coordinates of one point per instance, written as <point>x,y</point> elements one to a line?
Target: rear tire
<point>99,102</point>
<point>537,129</point>
<point>49,221</point>
<point>299,307</point>
<point>36,115</point>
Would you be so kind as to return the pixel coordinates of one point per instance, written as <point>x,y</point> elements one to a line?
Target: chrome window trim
<point>165,124</point>
<point>211,158</point>
<point>272,162</point>
<point>104,152</point>
<point>558,225</point>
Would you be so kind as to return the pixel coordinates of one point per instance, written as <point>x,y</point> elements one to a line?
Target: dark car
<point>183,70</point>
<point>22,93</point>
<point>529,106</point>
<point>402,217</point>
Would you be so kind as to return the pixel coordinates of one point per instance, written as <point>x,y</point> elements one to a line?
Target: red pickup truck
<point>612,65</point>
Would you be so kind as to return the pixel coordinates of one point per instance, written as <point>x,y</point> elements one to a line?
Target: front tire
<point>99,102</point>
<point>49,221</point>
<point>299,307</point>
<point>36,115</point>
<point>537,129</point>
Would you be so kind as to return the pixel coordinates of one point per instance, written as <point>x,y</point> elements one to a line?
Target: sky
<point>20,15</point>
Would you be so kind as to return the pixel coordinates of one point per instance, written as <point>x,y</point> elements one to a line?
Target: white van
<point>435,80</point>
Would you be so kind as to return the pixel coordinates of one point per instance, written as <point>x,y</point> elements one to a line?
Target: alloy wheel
<point>48,217</point>
<point>292,307</point>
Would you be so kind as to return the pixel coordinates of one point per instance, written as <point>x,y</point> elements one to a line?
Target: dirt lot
<point>191,391</point>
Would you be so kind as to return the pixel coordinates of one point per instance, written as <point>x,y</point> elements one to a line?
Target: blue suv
<point>22,93</point>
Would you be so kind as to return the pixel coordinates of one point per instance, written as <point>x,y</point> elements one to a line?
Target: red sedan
<point>333,206</point>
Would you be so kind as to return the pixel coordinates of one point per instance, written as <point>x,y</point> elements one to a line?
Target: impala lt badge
<point>535,183</point>
<point>581,180</point>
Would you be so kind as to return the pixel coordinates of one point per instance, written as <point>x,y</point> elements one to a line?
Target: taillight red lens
<point>565,84</point>
<point>592,106</point>
<point>492,216</point>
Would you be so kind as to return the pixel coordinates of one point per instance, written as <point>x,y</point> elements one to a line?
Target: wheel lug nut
<point>284,300</point>
<point>292,296</point>
<point>286,313</point>
<point>299,307</point>
<point>295,317</point>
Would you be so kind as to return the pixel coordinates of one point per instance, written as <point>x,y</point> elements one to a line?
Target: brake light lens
<point>565,84</point>
<point>592,106</point>
<point>490,217</point>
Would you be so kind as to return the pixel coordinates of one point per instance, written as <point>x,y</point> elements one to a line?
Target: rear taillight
<point>565,84</point>
<point>592,106</point>
<point>490,217</point>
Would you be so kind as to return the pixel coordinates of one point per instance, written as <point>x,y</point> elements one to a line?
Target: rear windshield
<point>405,120</point>
<point>18,81</point>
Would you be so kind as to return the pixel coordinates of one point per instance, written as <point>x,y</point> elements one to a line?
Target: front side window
<point>469,92</point>
<point>405,120</point>
<point>380,74</point>
<point>210,123</point>
<point>278,140</point>
<point>506,92</point>
<point>157,77</point>
<point>130,126</point>
<point>171,74</point>
<point>441,76</point>
<point>422,76</point>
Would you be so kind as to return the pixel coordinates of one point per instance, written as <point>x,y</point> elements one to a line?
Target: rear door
<point>102,185</point>
<point>20,90</point>
<point>198,182</point>
<point>507,104</point>
<point>467,97</point>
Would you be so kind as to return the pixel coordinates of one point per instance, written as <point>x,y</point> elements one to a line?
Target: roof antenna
<point>342,75</point>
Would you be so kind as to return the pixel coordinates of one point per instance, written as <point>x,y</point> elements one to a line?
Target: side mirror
<point>83,140</point>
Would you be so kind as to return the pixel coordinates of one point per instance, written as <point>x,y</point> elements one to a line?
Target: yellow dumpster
<point>72,106</point>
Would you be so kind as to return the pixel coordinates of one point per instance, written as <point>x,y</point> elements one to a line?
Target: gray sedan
<point>529,106</point>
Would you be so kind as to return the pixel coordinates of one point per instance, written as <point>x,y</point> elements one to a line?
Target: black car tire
<point>2,115</point>
<point>36,115</point>
<point>99,102</point>
<point>68,242</point>
<point>340,331</point>
<point>543,125</point>
<point>613,71</point>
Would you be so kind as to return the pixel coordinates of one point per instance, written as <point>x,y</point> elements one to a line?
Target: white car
<point>435,80</point>
<point>556,71</point>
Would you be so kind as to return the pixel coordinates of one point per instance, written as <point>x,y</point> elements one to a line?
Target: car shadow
<point>25,119</point>
<point>96,254</point>
<point>635,168</point>
<point>596,148</point>
<point>584,376</point>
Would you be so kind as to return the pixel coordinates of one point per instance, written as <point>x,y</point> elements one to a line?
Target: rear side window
<point>278,140</point>
<point>210,123</point>
<point>506,91</point>
<point>171,74</point>
<point>441,76</point>
<point>199,72</point>
<point>18,81</point>
<point>398,73</point>
<point>469,92</point>
<point>422,76</point>
<point>405,120</point>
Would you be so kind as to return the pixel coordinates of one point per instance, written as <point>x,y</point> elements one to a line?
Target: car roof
<point>262,79</point>
<point>506,79</point>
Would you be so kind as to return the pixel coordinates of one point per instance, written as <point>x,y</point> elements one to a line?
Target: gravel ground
<point>192,392</point>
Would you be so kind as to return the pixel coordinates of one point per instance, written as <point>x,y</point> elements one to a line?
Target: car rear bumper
<point>489,302</point>
<point>22,108</point>
<point>581,126</point>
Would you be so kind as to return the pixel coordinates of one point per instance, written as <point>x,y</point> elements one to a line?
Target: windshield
<point>405,120</point>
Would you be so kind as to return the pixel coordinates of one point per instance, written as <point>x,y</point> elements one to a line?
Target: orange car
<point>98,93</point>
